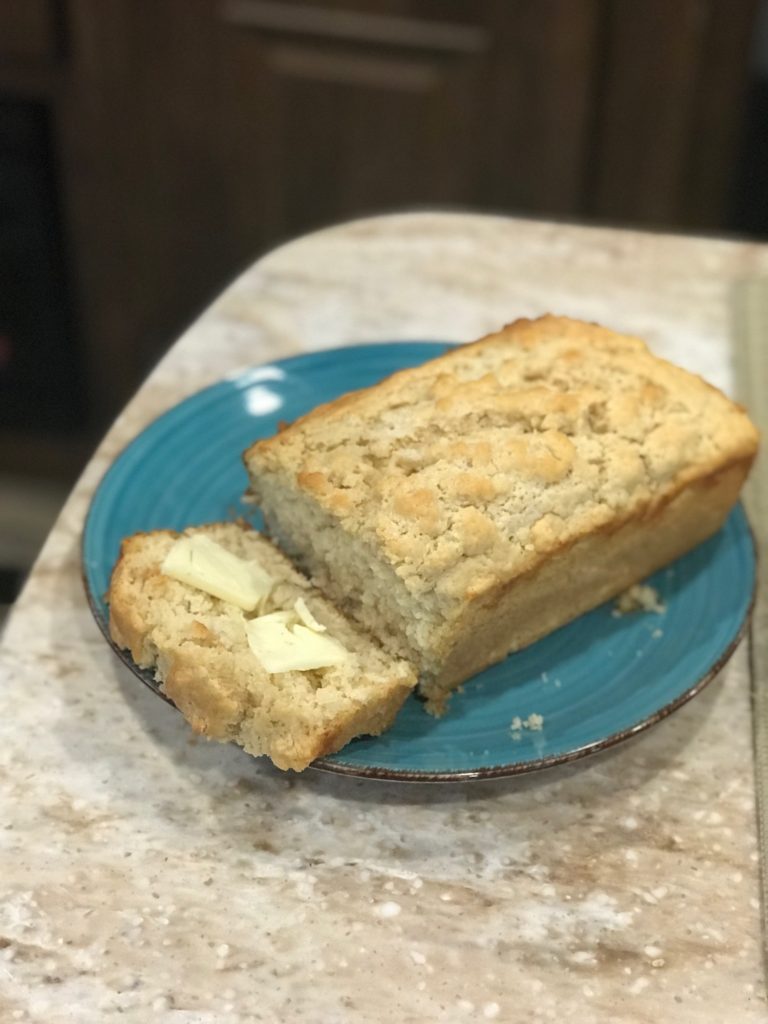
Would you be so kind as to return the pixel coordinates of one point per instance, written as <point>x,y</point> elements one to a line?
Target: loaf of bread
<point>465,508</point>
<point>198,648</point>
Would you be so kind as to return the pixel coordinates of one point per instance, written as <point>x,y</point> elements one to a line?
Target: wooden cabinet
<point>192,134</point>
<point>669,111</point>
<point>336,112</point>
<point>28,29</point>
<point>330,113</point>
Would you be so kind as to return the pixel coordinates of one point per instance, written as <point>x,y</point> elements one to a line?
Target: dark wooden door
<point>669,111</point>
<point>332,111</point>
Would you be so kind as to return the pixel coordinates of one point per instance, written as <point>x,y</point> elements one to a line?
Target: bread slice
<point>463,509</point>
<point>198,649</point>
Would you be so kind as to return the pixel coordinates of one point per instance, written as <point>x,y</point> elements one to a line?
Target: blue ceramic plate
<point>595,682</point>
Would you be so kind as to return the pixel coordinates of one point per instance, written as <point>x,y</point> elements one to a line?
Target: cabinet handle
<point>355,26</point>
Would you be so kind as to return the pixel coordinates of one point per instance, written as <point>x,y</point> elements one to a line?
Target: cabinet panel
<point>373,26</point>
<point>323,127</point>
<point>669,110</point>
<point>445,11</point>
<point>142,171</point>
<point>540,88</point>
<point>27,29</point>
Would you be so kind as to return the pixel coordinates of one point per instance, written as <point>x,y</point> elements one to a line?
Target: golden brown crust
<point>126,625</point>
<point>591,400</point>
<point>513,615</point>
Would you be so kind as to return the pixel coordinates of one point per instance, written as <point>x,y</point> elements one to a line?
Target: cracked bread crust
<point>199,651</point>
<point>418,500</point>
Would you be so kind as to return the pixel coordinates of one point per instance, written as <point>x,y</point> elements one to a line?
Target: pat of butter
<point>307,617</point>
<point>298,649</point>
<point>200,562</point>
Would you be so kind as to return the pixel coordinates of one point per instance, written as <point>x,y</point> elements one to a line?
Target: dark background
<point>150,149</point>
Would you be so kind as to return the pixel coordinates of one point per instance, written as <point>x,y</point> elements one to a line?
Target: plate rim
<point>378,773</point>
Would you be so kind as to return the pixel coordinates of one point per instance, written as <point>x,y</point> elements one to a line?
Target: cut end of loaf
<point>197,647</point>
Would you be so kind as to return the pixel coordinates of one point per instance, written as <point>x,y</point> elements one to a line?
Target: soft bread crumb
<point>534,722</point>
<point>639,597</point>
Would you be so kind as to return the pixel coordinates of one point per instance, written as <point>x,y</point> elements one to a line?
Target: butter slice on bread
<point>465,508</point>
<point>198,647</point>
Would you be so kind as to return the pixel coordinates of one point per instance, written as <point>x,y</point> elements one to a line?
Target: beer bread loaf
<point>463,509</point>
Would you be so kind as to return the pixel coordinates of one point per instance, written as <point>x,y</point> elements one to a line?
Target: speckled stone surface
<point>145,876</point>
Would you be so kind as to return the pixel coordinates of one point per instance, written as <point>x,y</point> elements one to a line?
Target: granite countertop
<point>147,876</point>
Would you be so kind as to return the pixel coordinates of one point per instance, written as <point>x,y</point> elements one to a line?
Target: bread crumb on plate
<point>534,722</point>
<point>640,597</point>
